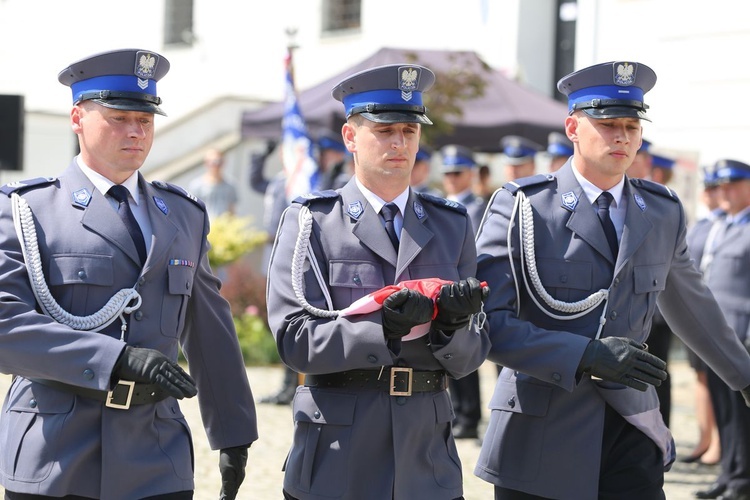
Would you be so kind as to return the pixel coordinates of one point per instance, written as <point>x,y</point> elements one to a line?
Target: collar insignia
<point>419,210</point>
<point>161,205</point>
<point>640,202</point>
<point>355,210</point>
<point>569,200</point>
<point>82,197</point>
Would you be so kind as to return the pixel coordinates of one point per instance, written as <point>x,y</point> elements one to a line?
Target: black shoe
<point>731,494</point>
<point>280,398</point>
<point>713,491</point>
<point>465,432</point>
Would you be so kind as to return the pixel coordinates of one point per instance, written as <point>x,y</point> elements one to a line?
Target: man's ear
<point>571,128</point>
<point>348,131</point>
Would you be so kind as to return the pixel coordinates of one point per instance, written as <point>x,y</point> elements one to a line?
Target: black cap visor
<point>616,112</point>
<point>397,117</point>
<point>130,105</point>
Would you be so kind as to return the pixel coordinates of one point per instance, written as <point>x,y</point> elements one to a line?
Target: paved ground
<point>275,426</point>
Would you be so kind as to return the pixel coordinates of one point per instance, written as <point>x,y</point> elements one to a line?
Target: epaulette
<point>174,188</point>
<point>12,187</point>
<point>305,199</point>
<point>442,202</point>
<point>524,182</point>
<point>654,187</point>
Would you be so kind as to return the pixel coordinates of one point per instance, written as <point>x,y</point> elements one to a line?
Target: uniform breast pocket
<point>174,303</point>
<point>565,280</point>
<point>351,280</point>
<point>73,276</point>
<point>648,281</point>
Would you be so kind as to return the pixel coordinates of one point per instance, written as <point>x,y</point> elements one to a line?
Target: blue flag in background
<point>300,166</point>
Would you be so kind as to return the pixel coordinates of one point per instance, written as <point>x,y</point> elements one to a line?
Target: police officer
<point>459,171</point>
<point>518,156</point>
<point>373,419</point>
<point>725,259</point>
<point>559,149</point>
<point>105,276</point>
<point>574,413</point>
<point>420,174</point>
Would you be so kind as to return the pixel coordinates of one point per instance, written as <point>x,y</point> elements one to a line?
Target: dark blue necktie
<point>389,212</point>
<point>602,203</point>
<point>120,194</point>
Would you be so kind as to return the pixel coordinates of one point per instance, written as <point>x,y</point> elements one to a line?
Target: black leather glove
<point>404,310</point>
<point>622,360</point>
<point>746,394</point>
<point>232,462</point>
<point>457,302</point>
<point>152,367</point>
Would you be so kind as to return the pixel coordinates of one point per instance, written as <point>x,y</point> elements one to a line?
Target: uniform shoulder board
<point>654,187</point>
<point>174,188</point>
<point>12,187</point>
<point>442,202</point>
<point>524,182</point>
<point>305,199</point>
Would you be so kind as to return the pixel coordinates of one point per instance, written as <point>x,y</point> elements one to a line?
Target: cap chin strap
<point>572,310</point>
<point>105,95</point>
<point>117,306</point>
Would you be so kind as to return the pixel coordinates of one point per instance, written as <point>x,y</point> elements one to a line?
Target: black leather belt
<point>121,397</point>
<point>395,380</point>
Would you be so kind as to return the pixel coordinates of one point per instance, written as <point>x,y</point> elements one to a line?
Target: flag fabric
<point>429,287</point>
<point>299,164</point>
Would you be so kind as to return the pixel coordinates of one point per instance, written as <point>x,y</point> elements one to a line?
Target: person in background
<point>724,262</point>
<point>374,414</point>
<point>459,170</point>
<point>642,162</point>
<point>219,195</point>
<point>577,262</point>
<point>559,149</point>
<point>483,186</point>
<point>708,448</point>
<point>420,174</point>
<point>518,156</point>
<point>662,168</point>
<point>95,311</point>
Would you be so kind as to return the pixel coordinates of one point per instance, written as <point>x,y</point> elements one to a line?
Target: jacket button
<point>32,403</point>
<point>616,281</point>
<point>82,274</point>
<point>448,356</point>
<point>88,374</point>
<point>512,402</point>
<point>372,358</point>
<point>357,280</point>
<point>556,377</point>
<point>141,280</point>
<point>139,315</point>
<point>187,285</point>
<point>613,315</point>
<point>656,282</point>
<point>316,414</point>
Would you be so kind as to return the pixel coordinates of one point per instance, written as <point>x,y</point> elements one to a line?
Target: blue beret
<point>726,171</point>
<point>659,161</point>
<point>609,90</point>
<point>518,150</point>
<point>559,145</point>
<point>456,158</point>
<point>387,94</point>
<point>120,79</point>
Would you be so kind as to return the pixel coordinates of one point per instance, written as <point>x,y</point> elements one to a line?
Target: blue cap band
<point>732,174</point>
<point>118,83</point>
<point>605,92</point>
<point>458,161</point>
<point>559,150</point>
<point>382,98</point>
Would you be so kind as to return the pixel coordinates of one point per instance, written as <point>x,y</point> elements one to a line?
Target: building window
<point>178,22</point>
<point>341,15</point>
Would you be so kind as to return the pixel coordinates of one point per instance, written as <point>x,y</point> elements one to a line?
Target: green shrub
<point>256,342</point>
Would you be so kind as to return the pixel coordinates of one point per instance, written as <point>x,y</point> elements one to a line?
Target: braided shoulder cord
<point>573,310</point>
<point>301,248</point>
<point>117,306</point>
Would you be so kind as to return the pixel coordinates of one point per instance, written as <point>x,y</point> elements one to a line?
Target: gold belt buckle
<point>111,396</point>
<point>394,371</point>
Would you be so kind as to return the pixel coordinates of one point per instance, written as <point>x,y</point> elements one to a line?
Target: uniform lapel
<point>637,225</point>
<point>163,228</point>
<point>98,214</point>
<point>414,235</point>
<point>583,219</point>
<point>368,226</point>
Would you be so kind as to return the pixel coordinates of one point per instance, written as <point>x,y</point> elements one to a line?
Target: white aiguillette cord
<point>117,306</point>
<point>528,258</point>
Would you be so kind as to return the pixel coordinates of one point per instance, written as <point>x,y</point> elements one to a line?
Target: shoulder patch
<point>442,202</point>
<point>524,182</point>
<point>12,187</point>
<point>174,188</point>
<point>654,187</point>
<point>305,199</point>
